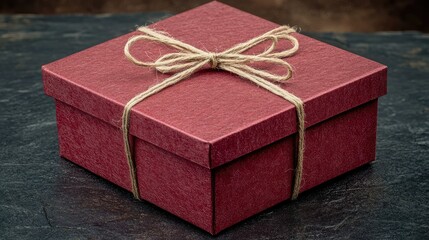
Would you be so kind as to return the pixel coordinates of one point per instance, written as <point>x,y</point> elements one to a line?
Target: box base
<point>214,199</point>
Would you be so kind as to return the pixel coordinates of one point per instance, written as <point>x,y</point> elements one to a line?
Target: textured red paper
<point>185,135</point>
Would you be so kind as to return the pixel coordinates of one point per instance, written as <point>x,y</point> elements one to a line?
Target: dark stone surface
<point>45,197</point>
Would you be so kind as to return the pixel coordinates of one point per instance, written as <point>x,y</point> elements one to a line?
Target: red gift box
<point>215,149</point>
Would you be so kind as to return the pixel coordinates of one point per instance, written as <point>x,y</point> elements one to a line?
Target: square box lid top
<point>213,116</point>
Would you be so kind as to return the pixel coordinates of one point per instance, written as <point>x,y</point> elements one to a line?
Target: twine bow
<point>190,59</point>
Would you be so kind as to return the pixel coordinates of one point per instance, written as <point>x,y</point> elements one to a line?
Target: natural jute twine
<point>189,60</point>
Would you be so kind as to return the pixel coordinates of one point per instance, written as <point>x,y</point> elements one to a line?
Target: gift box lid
<point>212,117</point>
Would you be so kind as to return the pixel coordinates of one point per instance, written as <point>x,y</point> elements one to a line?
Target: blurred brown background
<point>316,15</point>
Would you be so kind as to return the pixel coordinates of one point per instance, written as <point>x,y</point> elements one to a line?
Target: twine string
<point>190,59</point>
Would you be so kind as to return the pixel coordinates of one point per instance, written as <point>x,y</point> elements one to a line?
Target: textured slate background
<point>45,197</point>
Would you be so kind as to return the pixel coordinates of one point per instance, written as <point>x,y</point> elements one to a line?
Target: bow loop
<point>176,62</point>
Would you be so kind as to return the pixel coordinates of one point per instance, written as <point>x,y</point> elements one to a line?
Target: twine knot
<point>213,57</point>
<point>190,59</point>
